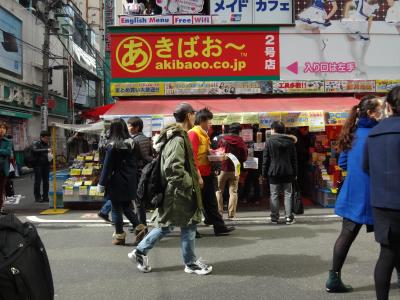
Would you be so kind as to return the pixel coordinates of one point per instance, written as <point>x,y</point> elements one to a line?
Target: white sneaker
<point>142,261</point>
<point>198,267</point>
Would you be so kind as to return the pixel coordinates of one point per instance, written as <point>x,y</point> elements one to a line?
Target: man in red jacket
<point>232,143</point>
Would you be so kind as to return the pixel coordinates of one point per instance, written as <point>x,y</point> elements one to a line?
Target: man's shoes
<point>141,260</point>
<point>274,221</point>
<point>223,231</point>
<point>334,283</point>
<point>290,221</point>
<point>140,232</point>
<point>2,211</point>
<point>198,235</point>
<point>198,268</point>
<point>104,217</point>
<point>38,200</point>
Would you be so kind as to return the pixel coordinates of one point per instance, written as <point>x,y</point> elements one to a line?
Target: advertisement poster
<point>195,54</point>
<point>352,86</point>
<point>383,86</point>
<point>251,12</point>
<point>137,89</point>
<point>10,43</point>
<point>212,88</point>
<point>295,119</point>
<point>336,118</point>
<point>316,121</point>
<point>342,40</point>
<point>267,118</point>
<point>299,86</point>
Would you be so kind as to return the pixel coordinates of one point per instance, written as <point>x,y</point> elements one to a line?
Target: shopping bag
<point>297,203</point>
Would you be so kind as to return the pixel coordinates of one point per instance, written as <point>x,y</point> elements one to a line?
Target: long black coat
<point>382,162</point>
<point>119,173</point>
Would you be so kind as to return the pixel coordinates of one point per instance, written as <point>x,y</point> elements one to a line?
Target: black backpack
<point>150,190</point>
<point>24,267</point>
<point>29,158</point>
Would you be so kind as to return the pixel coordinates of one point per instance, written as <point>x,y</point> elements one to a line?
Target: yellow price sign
<point>87,171</point>
<point>75,172</point>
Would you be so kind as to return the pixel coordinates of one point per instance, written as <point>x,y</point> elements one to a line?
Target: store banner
<point>165,20</point>
<point>336,118</point>
<point>15,94</point>
<point>137,89</point>
<point>267,118</point>
<point>298,86</point>
<point>316,121</point>
<point>295,119</point>
<point>218,119</point>
<point>212,88</point>
<point>195,54</point>
<point>276,12</point>
<point>349,86</point>
<point>10,43</point>
<point>358,41</point>
<point>384,86</point>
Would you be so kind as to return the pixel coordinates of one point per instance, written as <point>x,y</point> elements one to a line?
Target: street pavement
<point>257,261</point>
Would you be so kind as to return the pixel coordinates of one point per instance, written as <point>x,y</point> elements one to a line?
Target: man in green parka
<point>182,203</point>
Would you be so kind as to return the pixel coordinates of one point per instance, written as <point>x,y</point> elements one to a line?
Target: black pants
<point>210,205</point>
<point>41,176</point>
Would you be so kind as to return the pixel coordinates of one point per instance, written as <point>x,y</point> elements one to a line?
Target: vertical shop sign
<point>109,20</point>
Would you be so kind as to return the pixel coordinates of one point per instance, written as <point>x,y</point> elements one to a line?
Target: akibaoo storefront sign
<point>196,53</point>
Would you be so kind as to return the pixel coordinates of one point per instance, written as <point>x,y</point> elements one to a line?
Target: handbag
<point>297,202</point>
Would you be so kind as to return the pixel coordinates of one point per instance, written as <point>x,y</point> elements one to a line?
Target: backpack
<point>24,267</point>
<point>29,158</point>
<point>150,189</point>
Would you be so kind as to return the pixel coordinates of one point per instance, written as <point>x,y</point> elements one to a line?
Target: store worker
<point>119,177</point>
<point>42,157</point>
<point>280,167</point>
<point>232,143</point>
<point>382,162</point>
<point>353,201</point>
<point>182,203</point>
<point>77,144</point>
<point>5,155</point>
<point>201,148</point>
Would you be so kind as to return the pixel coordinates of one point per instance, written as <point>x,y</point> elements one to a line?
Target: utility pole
<point>44,111</point>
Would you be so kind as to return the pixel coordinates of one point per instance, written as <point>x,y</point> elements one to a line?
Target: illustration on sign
<point>180,6</point>
<point>339,39</point>
<point>163,55</point>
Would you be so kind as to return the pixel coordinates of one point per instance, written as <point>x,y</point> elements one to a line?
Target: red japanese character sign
<point>164,55</point>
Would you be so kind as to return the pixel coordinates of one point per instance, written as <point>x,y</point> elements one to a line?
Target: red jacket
<point>234,144</point>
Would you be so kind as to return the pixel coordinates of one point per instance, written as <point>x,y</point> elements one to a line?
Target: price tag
<point>87,171</point>
<point>88,165</point>
<point>68,191</point>
<point>89,158</point>
<point>83,190</point>
<point>75,172</point>
<point>80,158</point>
<point>88,183</point>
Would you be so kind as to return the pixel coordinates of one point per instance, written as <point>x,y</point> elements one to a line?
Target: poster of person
<point>182,6</point>
<point>342,39</point>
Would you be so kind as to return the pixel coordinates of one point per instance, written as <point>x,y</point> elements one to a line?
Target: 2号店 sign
<point>195,54</point>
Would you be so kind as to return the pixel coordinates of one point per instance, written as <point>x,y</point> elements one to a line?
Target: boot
<point>118,238</point>
<point>140,233</point>
<point>334,284</point>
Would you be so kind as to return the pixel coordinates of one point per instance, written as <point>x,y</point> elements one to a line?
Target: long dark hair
<point>367,103</point>
<point>393,98</point>
<point>118,133</point>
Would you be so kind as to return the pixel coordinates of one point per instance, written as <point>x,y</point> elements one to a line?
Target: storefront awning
<point>14,114</point>
<point>166,107</point>
<point>95,113</point>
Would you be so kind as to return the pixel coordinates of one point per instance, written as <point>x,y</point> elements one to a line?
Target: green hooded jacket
<point>5,155</point>
<point>182,203</point>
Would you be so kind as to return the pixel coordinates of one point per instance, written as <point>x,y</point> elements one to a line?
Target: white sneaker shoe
<point>198,267</point>
<point>142,261</point>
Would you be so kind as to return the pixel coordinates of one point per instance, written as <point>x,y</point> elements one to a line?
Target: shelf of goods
<point>79,183</point>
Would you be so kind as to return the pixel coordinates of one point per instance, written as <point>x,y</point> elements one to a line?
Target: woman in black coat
<point>382,161</point>
<point>119,177</point>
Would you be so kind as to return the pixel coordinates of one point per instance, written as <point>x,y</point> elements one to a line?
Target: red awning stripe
<point>166,107</point>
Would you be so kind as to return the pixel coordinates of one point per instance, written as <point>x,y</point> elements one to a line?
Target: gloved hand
<point>50,156</point>
<point>100,189</point>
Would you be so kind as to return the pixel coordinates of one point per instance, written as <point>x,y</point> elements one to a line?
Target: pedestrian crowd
<point>187,188</point>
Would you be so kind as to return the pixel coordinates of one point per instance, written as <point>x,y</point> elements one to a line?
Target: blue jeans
<point>125,208</point>
<point>106,208</point>
<point>188,236</point>
<point>276,190</point>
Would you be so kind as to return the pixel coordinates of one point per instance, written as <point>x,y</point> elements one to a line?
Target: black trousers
<point>41,176</point>
<point>210,205</point>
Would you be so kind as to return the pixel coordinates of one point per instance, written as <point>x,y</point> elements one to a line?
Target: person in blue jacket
<point>353,202</point>
<point>382,162</point>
